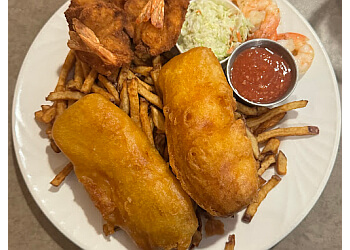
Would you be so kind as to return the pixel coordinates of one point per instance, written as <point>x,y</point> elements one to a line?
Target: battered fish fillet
<point>149,39</point>
<point>125,176</point>
<point>98,34</point>
<point>209,151</point>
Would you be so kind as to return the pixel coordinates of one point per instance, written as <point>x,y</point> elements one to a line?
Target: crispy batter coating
<point>108,33</point>
<point>208,149</point>
<point>107,24</point>
<point>125,176</point>
<point>152,40</point>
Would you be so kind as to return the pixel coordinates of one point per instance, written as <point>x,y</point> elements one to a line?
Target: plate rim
<point>292,226</point>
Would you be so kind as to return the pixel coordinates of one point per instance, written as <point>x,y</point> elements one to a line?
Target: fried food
<point>149,96</point>
<point>268,123</point>
<point>125,176</point>
<point>254,142</point>
<point>110,87</point>
<point>66,67</point>
<point>291,131</point>
<point>96,89</point>
<point>266,163</point>
<point>124,98</point>
<point>145,120</point>
<point>230,244</point>
<point>255,121</point>
<point>281,165</point>
<point>158,119</point>
<point>59,178</point>
<point>89,81</point>
<point>253,207</point>
<point>64,95</point>
<point>101,31</point>
<point>271,146</point>
<point>255,110</point>
<point>150,39</point>
<point>134,102</point>
<point>97,34</point>
<point>209,151</point>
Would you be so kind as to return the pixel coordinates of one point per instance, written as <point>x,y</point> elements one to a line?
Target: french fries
<point>110,88</point>
<point>126,89</point>
<point>134,101</point>
<point>271,146</point>
<point>86,69</point>
<point>49,114</point>
<point>124,98</point>
<point>230,244</point>
<point>64,95</point>
<point>96,89</point>
<point>251,122</point>
<point>131,75</point>
<point>266,163</point>
<point>61,105</point>
<point>38,115</point>
<point>123,76</point>
<point>250,111</point>
<point>281,165</point>
<point>291,131</point>
<point>142,70</point>
<point>145,121</point>
<point>89,81</point>
<point>262,181</point>
<point>149,96</point>
<point>158,119</point>
<point>134,90</point>
<point>157,62</point>
<point>149,80</point>
<point>66,67</point>
<point>59,178</point>
<point>78,75</point>
<point>268,124</point>
<point>254,142</point>
<point>253,207</point>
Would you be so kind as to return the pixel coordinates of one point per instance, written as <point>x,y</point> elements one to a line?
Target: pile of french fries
<point>134,90</point>
<point>131,89</point>
<point>258,122</point>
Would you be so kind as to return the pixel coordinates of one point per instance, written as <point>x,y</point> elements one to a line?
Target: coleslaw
<point>214,25</point>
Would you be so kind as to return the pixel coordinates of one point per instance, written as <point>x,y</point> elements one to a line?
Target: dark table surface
<point>29,228</point>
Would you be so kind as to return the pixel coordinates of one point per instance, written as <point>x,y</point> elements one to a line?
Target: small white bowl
<point>226,3</point>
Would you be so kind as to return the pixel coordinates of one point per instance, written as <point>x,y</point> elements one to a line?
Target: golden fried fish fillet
<point>150,39</point>
<point>209,151</point>
<point>98,34</point>
<point>125,176</point>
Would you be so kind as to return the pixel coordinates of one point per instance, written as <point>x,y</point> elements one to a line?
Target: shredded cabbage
<point>215,26</point>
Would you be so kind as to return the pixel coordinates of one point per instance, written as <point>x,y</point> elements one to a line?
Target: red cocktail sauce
<point>260,75</point>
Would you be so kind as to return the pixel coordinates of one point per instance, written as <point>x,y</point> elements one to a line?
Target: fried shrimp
<point>264,15</point>
<point>298,45</point>
<point>153,10</point>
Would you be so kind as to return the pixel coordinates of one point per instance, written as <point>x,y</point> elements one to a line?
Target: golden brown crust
<point>152,40</point>
<point>125,176</point>
<point>108,22</point>
<point>208,149</point>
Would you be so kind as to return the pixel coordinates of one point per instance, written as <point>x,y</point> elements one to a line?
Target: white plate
<point>310,159</point>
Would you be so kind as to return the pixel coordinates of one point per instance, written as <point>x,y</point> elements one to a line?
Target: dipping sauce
<point>260,75</point>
